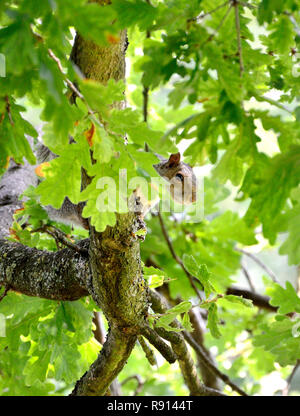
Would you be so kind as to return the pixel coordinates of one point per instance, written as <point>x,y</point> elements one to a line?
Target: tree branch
<point>238,33</point>
<point>176,258</point>
<point>113,356</point>
<point>159,344</point>
<point>139,381</point>
<point>61,275</point>
<point>186,363</point>
<point>248,277</point>
<point>285,391</point>
<point>272,102</point>
<point>159,306</point>
<point>149,353</point>
<point>259,262</point>
<point>60,236</point>
<point>210,365</point>
<point>209,377</point>
<point>201,16</point>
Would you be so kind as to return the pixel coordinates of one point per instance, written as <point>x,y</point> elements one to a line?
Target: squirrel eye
<point>179,176</point>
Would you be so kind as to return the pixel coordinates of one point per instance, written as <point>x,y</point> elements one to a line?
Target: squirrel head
<point>180,175</point>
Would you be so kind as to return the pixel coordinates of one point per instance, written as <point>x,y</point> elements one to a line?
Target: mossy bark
<point>117,283</point>
<point>63,275</point>
<point>111,271</point>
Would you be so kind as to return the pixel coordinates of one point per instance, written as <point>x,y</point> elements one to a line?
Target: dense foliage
<point>222,84</point>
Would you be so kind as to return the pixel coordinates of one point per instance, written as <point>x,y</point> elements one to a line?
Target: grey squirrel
<point>180,175</point>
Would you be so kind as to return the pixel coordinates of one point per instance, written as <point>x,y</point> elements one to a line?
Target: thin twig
<point>245,4</point>
<point>149,353</point>
<point>201,16</point>
<point>8,109</point>
<point>210,379</point>
<point>272,102</point>
<point>238,33</point>
<point>219,26</point>
<point>145,103</point>
<point>209,301</point>
<point>199,350</point>
<point>259,262</point>
<point>159,344</point>
<point>159,305</point>
<point>248,277</point>
<point>176,258</point>
<point>140,383</point>
<point>60,236</point>
<point>293,20</point>
<point>285,391</point>
<point>73,87</point>
<point>70,83</point>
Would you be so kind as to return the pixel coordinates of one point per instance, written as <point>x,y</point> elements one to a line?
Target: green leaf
<point>101,97</point>
<point>167,318</point>
<point>230,226</point>
<point>281,338</point>
<point>64,175</point>
<point>99,215</point>
<point>282,37</point>
<point>186,322</point>
<point>239,299</point>
<point>269,196</point>
<point>37,367</point>
<point>154,276</point>
<point>230,166</point>
<point>291,246</point>
<point>131,12</point>
<point>199,271</point>
<point>213,320</point>
<point>286,299</point>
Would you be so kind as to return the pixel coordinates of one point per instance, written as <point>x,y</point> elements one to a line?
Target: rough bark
<point>117,283</point>
<point>119,289</point>
<point>110,272</point>
<point>63,275</point>
<point>185,360</point>
<point>13,183</point>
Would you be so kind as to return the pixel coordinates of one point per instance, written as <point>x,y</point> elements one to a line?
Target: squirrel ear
<point>174,159</point>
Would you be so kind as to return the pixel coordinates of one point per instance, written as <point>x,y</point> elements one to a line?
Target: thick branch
<point>185,360</point>
<point>159,306</point>
<point>61,275</point>
<point>104,370</point>
<point>159,344</point>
